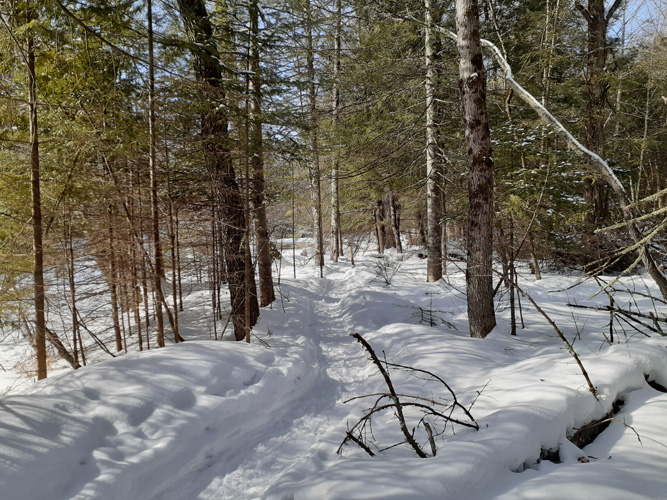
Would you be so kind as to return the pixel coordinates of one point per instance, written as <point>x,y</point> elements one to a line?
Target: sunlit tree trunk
<point>336,233</point>
<point>316,189</point>
<point>472,82</point>
<point>266,292</point>
<point>152,162</point>
<point>433,230</point>
<point>37,246</point>
<point>215,140</point>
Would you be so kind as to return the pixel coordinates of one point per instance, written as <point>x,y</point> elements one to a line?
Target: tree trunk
<point>420,229</point>
<point>174,284</point>
<point>158,271</point>
<point>395,224</point>
<point>533,259</point>
<point>266,292</point>
<point>387,225</point>
<point>597,20</point>
<point>215,142</point>
<point>37,247</point>
<point>472,83</point>
<point>336,233</point>
<point>512,276</point>
<point>316,190</point>
<point>379,225</point>
<point>76,331</point>
<point>113,285</point>
<point>445,236</point>
<point>178,263</point>
<point>433,216</point>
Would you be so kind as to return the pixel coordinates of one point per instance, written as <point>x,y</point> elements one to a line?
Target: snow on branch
<point>592,158</point>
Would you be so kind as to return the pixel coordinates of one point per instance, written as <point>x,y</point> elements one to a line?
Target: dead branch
<point>397,402</point>
<point>394,396</point>
<point>570,349</point>
<point>624,312</point>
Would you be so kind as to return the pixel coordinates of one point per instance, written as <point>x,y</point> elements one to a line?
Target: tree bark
<point>36,204</point>
<point>395,222</point>
<point>433,216</point>
<point>69,248</point>
<point>152,161</point>
<point>316,189</point>
<point>336,233</point>
<point>379,225</point>
<point>215,139</point>
<point>472,83</point>
<point>597,20</point>
<point>113,284</point>
<point>266,292</point>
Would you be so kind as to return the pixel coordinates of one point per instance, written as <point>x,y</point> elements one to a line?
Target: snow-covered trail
<point>228,420</point>
<point>339,372</point>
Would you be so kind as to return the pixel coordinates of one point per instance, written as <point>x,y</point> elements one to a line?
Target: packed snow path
<point>316,311</point>
<point>227,420</point>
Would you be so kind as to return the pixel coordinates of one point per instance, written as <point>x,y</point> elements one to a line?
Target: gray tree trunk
<point>379,225</point>
<point>472,82</point>
<point>433,216</point>
<point>395,222</point>
<point>336,233</point>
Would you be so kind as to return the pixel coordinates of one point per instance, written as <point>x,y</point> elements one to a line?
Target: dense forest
<point>345,249</point>
<point>143,143</point>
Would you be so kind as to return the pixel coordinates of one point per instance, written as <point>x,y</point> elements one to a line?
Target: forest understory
<point>303,249</point>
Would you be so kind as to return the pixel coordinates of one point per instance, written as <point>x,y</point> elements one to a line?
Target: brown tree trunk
<point>420,229</point>
<point>158,270</point>
<point>215,140</point>
<point>174,289</point>
<point>37,246</point>
<point>395,224</point>
<point>472,83</point>
<point>113,284</point>
<point>379,225</point>
<point>597,20</point>
<point>266,292</point>
<point>76,331</point>
<point>445,235</point>
<point>386,216</point>
<point>533,258</point>
<point>178,263</point>
<point>433,216</point>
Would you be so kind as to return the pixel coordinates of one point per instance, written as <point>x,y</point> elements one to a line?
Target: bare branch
<point>612,10</point>
<point>394,396</point>
<point>584,11</point>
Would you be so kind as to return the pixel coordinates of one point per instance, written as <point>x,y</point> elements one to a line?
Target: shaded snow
<point>226,420</point>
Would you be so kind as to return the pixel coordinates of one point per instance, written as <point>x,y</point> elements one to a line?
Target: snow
<point>226,420</point>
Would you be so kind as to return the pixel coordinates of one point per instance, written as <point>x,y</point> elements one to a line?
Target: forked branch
<point>400,401</point>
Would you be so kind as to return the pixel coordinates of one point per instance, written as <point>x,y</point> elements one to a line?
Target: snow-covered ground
<point>228,420</point>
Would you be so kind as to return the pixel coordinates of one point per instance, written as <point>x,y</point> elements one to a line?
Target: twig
<point>430,437</point>
<point>571,350</point>
<point>359,442</point>
<point>394,396</point>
